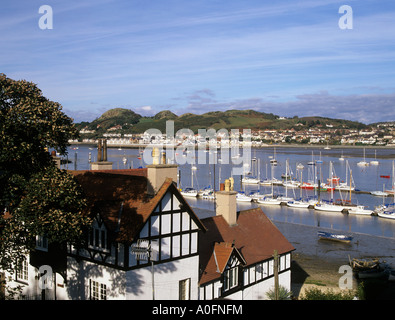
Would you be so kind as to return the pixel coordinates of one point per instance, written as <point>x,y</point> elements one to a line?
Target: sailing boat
<point>375,161</point>
<point>358,209</point>
<point>329,206</point>
<point>299,203</point>
<point>392,190</point>
<point>379,193</point>
<point>273,160</point>
<point>251,179</point>
<point>344,186</point>
<point>190,191</point>
<point>341,157</point>
<point>363,163</point>
<point>269,199</point>
<point>287,174</point>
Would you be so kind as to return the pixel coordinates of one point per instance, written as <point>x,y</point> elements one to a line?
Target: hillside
<point>114,119</point>
<point>121,120</point>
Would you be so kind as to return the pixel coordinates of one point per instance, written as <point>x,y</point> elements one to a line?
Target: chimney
<point>55,159</point>
<point>158,172</point>
<point>226,203</point>
<point>101,163</point>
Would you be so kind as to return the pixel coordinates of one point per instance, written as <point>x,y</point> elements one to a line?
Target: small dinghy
<point>334,237</point>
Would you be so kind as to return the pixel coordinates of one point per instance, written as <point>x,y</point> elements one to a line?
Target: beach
<point>316,263</point>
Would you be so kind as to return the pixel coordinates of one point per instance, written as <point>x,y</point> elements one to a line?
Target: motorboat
<point>359,210</point>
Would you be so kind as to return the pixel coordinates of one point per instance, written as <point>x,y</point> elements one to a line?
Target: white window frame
<point>231,278</point>
<point>22,270</point>
<point>98,291</point>
<point>185,289</point>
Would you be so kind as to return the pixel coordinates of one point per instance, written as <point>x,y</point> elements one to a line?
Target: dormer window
<point>42,243</point>
<point>98,239</point>
<point>231,278</point>
<point>98,236</point>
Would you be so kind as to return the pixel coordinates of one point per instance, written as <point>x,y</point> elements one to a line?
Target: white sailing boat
<point>273,160</point>
<point>341,157</point>
<point>298,203</point>
<point>250,179</point>
<point>324,206</point>
<point>375,161</point>
<point>392,190</point>
<point>379,193</point>
<point>242,197</point>
<point>345,186</point>
<point>329,206</point>
<point>190,191</point>
<point>269,199</point>
<point>287,174</point>
<point>363,163</point>
<point>388,212</point>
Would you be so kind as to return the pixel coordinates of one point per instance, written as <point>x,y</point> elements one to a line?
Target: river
<point>209,172</point>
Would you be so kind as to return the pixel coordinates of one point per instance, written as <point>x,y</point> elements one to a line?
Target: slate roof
<point>254,236</point>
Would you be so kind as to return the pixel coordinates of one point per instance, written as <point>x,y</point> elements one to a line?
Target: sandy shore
<point>316,263</point>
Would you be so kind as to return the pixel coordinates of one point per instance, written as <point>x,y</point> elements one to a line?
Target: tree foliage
<point>36,198</point>
<point>29,124</point>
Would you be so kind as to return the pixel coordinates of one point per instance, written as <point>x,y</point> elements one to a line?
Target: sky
<point>288,57</point>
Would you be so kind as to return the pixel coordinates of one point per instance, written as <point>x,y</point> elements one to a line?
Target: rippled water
<point>365,178</point>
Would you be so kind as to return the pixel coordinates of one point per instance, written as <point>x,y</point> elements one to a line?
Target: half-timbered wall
<point>171,231</point>
<point>256,281</point>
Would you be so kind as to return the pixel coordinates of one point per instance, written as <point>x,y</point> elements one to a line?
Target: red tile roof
<point>121,199</point>
<point>255,237</point>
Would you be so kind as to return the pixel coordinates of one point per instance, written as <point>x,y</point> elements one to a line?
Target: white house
<point>237,253</point>
<point>227,256</point>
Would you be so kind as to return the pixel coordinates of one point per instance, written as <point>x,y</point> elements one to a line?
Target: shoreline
<point>316,263</point>
<point>291,145</point>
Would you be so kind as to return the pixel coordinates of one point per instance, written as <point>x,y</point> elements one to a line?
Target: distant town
<point>382,134</point>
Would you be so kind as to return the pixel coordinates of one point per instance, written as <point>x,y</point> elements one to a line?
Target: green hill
<point>114,119</point>
<point>121,120</point>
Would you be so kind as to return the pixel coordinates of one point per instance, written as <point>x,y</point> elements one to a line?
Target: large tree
<point>36,198</point>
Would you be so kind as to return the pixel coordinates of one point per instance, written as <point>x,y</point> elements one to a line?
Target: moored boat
<point>189,192</point>
<point>388,214</point>
<point>334,236</point>
<point>298,204</point>
<point>332,207</point>
<point>250,180</point>
<point>360,210</point>
<point>269,201</point>
<point>242,197</point>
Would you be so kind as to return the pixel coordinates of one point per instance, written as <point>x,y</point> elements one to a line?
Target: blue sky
<point>284,57</point>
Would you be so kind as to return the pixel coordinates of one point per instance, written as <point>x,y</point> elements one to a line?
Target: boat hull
<point>334,237</point>
<point>328,207</point>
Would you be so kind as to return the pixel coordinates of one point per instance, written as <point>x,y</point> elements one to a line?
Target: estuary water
<point>212,171</point>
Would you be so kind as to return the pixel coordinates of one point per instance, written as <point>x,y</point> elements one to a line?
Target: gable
<point>172,228</point>
<point>226,256</point>
<point>254,237</point>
